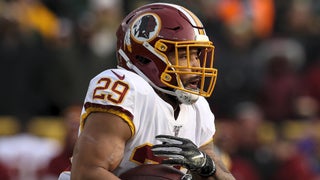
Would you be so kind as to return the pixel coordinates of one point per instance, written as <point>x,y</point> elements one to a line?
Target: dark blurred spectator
<point>311,82</point>
<point>33,15</point>
<point>278,66</point>
<point>71,117</point>
<point>25,154</point>
<point>235,27</point>
<point>243,169</point>
<point>290,163</point>
<point>239,137</point>
<point>306,108</point>
<point>295,18</point>
<point>309,145</point>
<point>252,160</point>
<point>47,58</point>
<point>227,140</point>
<point>256,15</point>
<point>279,89</point>
<point>5,172</point>
<point>26,28</point>
<point>300,20</point>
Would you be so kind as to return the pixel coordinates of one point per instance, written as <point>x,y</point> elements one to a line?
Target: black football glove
<point>181,151</point>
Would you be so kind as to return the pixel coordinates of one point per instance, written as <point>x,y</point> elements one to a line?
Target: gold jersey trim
<point>116,110</point>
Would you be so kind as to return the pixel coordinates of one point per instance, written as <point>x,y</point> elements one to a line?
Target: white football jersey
<point>129,96</point>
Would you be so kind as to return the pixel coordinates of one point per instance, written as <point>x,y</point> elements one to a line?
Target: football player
<point>152,108</point>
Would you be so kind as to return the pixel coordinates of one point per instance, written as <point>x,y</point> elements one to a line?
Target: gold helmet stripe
<point>195,21</point>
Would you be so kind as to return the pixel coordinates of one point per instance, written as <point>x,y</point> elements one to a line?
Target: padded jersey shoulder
<point>132,79</point>
<point>120,88</point>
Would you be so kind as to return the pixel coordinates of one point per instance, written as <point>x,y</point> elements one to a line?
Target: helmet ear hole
<point>143,60</point>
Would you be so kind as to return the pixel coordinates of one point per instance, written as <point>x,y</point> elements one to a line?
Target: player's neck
<point>173,101</point>
<point>176,112</point>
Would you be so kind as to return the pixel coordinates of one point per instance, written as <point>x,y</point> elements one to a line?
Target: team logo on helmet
<point>145,28</point>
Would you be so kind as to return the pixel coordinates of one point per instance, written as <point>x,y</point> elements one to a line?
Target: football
<point>154,172</point>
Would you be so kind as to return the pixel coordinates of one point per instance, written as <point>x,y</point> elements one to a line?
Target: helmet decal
<point>146,27</point>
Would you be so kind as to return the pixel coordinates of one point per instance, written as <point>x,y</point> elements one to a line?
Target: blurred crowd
<point>266,101</point>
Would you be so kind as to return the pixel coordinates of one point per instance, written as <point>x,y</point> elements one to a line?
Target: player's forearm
<point>222,173</point>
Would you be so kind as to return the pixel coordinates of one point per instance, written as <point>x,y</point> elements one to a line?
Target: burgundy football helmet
<point>149,33</point>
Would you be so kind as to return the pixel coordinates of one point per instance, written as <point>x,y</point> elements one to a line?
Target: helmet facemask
<point>202,76</point>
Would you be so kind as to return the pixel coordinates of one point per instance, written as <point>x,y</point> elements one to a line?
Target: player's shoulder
<point>202,104</point>
<point>119,74</point>
<point>122,76</point>
<point>201,101</point>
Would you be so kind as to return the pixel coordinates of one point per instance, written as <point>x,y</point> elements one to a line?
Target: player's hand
<point>181,151</point>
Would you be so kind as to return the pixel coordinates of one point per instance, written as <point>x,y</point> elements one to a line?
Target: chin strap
<point>185,97</point>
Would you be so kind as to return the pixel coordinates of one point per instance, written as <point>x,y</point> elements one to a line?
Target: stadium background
<point>266,99</point>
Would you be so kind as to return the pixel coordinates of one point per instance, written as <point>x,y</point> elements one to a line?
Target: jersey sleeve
<point>111,91</point>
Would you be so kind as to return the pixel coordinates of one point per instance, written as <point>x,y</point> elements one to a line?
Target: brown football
<point>153,172</point>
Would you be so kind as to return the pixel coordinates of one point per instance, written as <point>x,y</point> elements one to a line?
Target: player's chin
<point>193,89</point>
